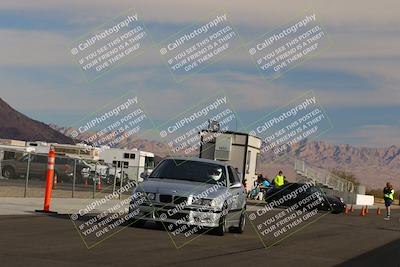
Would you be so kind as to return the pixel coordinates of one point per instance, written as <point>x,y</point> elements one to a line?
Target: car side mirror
<point>237,185</point>
<point>144,175</point>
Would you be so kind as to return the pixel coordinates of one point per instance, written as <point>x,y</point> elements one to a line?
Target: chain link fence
<point>23,174</point>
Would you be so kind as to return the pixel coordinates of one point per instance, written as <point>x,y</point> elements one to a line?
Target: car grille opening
<point>166,198</point>
<point>179,200</point>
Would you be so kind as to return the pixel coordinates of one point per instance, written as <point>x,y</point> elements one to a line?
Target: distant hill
<point>15,125</point>
<point>372,166</point>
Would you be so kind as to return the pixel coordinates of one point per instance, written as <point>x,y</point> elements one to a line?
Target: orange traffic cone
<point>366,209</point>
<point>99,184</point>
<point>378,211</point>
<point>352,208</point>
<point>362,212</point>
<point>346,211</point>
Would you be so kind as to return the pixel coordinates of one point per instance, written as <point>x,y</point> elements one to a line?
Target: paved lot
<point>348,240</point>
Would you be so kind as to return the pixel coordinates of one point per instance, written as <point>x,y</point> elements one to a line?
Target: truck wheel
<point>8,172</point>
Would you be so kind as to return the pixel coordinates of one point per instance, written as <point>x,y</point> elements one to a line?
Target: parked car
<point>14,168</point>
<point>179,185</point>
<point>327,203</point>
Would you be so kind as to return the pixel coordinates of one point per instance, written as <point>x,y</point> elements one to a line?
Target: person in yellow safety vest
<point>388,196</point>
<point>279,179</point>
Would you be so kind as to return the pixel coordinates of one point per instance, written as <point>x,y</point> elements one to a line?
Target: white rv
<point>131,161</point>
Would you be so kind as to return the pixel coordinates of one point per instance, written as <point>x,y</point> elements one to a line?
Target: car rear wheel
<point>8,172</point>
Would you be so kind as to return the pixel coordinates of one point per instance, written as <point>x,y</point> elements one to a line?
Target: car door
<point>21,165</point>
<point>236,195</point>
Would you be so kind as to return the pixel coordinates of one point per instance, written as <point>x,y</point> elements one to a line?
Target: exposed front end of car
<point>177,210</point>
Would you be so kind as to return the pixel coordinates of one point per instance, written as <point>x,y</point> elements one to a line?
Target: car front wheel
<point>8,172</point>
<point>242,223</point>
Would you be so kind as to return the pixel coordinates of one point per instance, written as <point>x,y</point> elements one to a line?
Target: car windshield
<point>313,189</point>
<point>189,170</point>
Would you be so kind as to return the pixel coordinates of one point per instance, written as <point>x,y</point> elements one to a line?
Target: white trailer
<point>240,150</point>
<point>132,161</point>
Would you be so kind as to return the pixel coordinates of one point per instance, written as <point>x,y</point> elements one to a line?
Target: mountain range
<point>371,166</point>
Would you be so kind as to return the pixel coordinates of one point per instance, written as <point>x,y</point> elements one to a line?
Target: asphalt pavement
<point>334,239</point>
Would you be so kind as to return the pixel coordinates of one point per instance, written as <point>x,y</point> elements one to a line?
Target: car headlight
<point>206,202</point>
<point>151,196</point>
<point>341,199</point>
<point>202,201</point>
<point>217,202</point>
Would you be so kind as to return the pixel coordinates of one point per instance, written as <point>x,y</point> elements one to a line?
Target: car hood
<point>334,200</point>
<point>181,188</point>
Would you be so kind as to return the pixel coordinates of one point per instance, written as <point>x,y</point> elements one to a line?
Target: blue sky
<point>356,79</point>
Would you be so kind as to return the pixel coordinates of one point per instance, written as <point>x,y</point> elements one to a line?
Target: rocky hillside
<point>15,125</point>
<point>372,166</point>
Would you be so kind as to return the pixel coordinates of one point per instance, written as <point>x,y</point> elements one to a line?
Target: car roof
<point>199,160</point>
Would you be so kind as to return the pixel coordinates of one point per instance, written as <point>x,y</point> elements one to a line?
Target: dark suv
<point>14,168</point>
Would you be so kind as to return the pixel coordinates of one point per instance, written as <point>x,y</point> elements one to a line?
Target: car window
<point>189,170</point>
<point>233,177</point>
<point>25,158</point>
<point>313,189</point>
<point>40,159</point>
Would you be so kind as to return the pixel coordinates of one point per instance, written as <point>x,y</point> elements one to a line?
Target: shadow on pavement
<point>386,255</point>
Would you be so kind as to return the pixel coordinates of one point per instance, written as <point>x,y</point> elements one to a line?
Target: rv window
<point>116,163</point>
<point>126,164</point>
<point>132,156</point>
<point>126,155</point>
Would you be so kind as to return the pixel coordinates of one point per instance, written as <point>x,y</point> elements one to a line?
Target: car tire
<point>242,224</point>
<point>221,229</point>
<point>137,223</point>
<point>8,172</point>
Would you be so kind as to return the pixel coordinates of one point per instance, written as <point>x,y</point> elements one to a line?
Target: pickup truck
<point>193,192</point>
<point>63,168</point>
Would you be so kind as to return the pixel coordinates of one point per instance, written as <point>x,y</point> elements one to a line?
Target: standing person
<point>388,196</point>
<point>279,179</point>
